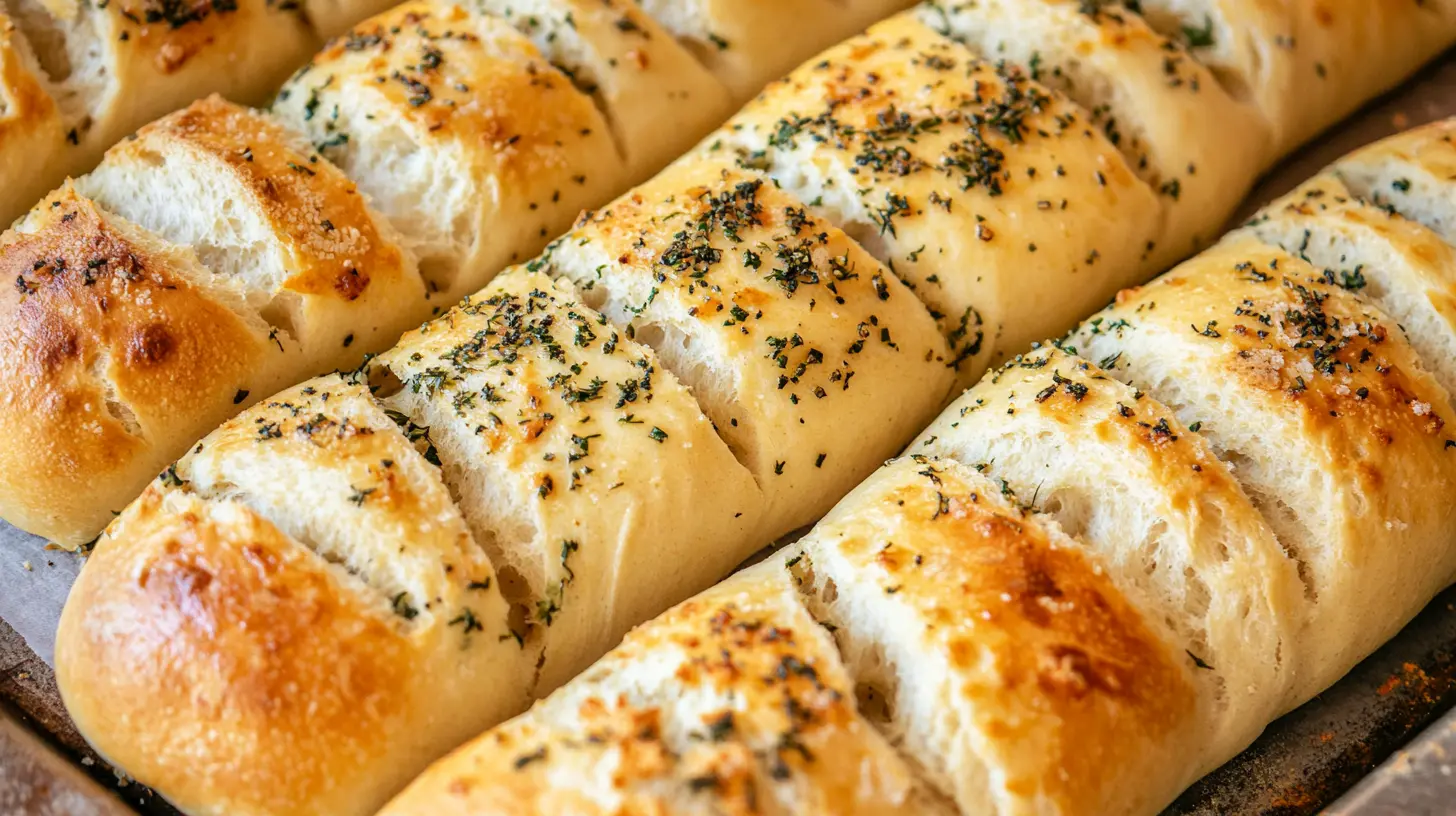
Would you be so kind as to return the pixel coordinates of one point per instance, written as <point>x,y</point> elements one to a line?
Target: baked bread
<point>718,298</point>
<point>1007,670</point>
<point>461,133</point>
<point>581,445</point>
<point>1181,132</point>
<point>206,263</point>
<point>113,66</point>
<point>1166,518</point>
<point>1085,585</point>
<point>1306,65</point>
<point>981,188</point>
<point>734,702</point>
<point>786,331</point>
<point>1335,428</point>
<point>311,520</point>
<point>477,133</point>
<point>657,97</point>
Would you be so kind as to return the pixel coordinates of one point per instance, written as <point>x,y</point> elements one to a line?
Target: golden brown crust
<point>111,346</point>
<point>224,641</point>
<point>1064,689</point>
<point>309,604</point>
<point>30,125</point>
<point>313,209</point>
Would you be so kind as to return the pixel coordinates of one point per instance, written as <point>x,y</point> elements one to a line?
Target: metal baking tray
<point>1381,741</point>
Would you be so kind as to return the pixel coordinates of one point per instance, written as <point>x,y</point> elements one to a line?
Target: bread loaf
<point>1085,585</point>
<point>477,132</point>
<point>730,294</point>
<point>111,67</point>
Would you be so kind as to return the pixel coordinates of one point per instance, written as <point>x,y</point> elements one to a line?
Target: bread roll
<point>1167,519</point>
<point>788,333</point>
<point>1009,673</point>
<point>1306,65</point>
<point>1332,423</point>
<point>1179,129</point>
<point>979,187</point>
<point>654,93</point>
<point>116,65</point>
<point>464,136</point>
<point>325,619</point>
<point>588,471</point>
<point>747,43</point>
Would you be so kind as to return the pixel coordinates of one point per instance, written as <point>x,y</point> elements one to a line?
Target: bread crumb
<point>26,564</point>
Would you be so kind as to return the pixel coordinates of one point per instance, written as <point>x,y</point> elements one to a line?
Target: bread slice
<point>1178,128</point>
<point>1166,518</point>
<point>582,465</point>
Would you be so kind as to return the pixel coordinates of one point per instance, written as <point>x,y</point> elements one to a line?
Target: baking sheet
<point>1303,762</point>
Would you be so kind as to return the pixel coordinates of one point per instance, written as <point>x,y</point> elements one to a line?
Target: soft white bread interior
<point>1330,421</point>
<point>1178,128</point>
<point>788,332</point>
<point>262,209</point>
<point>585,468</point>
<point>313,521</point>
<point>113,66</point>
<point>471,143</point>
<point>1003,671</point>
<point>657,97</point>
<point>206,263</point>
<point>982,189</point>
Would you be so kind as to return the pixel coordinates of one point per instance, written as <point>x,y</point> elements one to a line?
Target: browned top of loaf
<point>495,93</point>
<point>90,314</point>
<point>313,208</point>
<point>167,34</point>
<point>1040,645</point>
<point>299,678</point>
